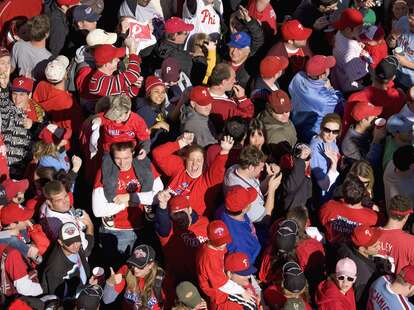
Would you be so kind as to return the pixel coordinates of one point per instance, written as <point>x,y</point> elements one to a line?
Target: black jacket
<point>167,49</point>
<point>60,276</point>
<point>59,30</point>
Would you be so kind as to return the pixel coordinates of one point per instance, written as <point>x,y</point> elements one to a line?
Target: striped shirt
<point>103,85</point>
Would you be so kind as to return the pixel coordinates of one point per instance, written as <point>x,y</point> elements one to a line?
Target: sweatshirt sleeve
<point>100,205</point>
<point>164,157</point>
<point>215,173</point>
<point>245,108</point>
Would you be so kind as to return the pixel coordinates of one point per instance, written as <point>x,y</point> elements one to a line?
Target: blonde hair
<point>149,280</point>
<point>198,43</point>
<point>119,105</point>
<point>362,168</point>
<point>44,149</point>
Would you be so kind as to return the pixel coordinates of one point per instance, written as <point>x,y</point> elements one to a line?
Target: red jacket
<point>273,296</point>
<point>328,297</point>
<point>340,220</point>
<point>59,105</point>
<point>181,183</point>
<point>103,85</point>
<point>267,18</point>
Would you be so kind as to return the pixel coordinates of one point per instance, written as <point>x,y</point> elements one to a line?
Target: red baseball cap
<point>12,187</point>
<point>349,18</point>
<point>22,84</point>
<point>239,263</point>
<point>279,101</point>
<point>365,236</point>
<point>294,30</point>
<point>270,65</point>
<point>201,95</point>
<point>363,109</point>
<point>151,82</point>
<point>178,203</point>
<point>176,24</point>
<point>407,273</point>
<point>239,198</point>
<point>52,134</point>
<point>318,64</point>
<point>106,52</point>
<point>218,234</point>
<point>67,2</point>
<point>14,212</point>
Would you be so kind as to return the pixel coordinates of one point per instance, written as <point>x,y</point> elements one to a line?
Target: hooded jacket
<point>328,297</point>
<point>199,124</point>
<point>277,131</point>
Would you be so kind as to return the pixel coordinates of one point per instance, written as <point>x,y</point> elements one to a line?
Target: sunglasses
<point>342,278</point>
<point>327,130</point>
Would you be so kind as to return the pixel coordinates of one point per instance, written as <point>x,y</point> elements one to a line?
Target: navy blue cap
<point>240,40</point>
<point>84,12</point>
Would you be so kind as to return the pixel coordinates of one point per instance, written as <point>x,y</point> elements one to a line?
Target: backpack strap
<point>157,289</point>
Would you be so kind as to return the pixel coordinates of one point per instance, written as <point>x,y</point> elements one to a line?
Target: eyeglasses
<point>342,278</point>
<point>327,130</point>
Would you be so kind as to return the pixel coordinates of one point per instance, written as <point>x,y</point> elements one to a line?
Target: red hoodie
<point>328,297</point>
<point>59,105</point>
<point>267,18</point>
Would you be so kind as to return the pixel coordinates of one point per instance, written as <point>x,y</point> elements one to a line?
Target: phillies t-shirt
<point>340,220</point>
<point>397,247</point>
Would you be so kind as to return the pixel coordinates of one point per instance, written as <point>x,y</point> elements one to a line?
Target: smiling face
<point>158,94</point>
<point>194,164</point>
<point>330,132</point>
<point>123,159</point>
<point>141,273</point>
<point>239,55</point>
<point>60,202</point>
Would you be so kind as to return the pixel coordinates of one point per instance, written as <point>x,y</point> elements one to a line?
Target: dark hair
<point>122,146</point>
<point>220,73</point>
<point>53,188</point>
<point>39,27</point>
<point>256,125</point>
<point>300,215</point>
<point>235,127</point>
<point>399,204</point>
<point>403,157</point>
<point>250,155</point>
<point>353,190</point>
<point>318,3</point>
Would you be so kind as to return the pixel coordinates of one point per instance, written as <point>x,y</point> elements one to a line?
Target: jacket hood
<point>188,112</point>
<point>328,292</point>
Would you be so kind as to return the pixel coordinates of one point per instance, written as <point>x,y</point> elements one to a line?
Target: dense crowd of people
<point>207,154</point>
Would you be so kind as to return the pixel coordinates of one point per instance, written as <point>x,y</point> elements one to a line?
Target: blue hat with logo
<point>399,124</point>
<point>84,12</point>
<point>240,40</point>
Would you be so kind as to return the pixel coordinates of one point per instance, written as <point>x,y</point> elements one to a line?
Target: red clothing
<point>103,85</point>
<point>328,297</point>
<point>297,60</point>
<point>10,9</point>
<point>130,217</point>
<point>232,305</point>
<point>59,105</point>
<point>397,247</point>
<point>210,271</point>
<point>31,112</point>
<point>392,100</point>
<point>265,273</point>
<point>311,257</point>
<point>214,150</point>
<point>273,296</point>
<point>39,238</point>
<point>181,183</point>
<point>180,250</point>
<point>340,220</point>
<point>224,108</point>
<point>267,18</point>
<point>4,165</point>
<point>133,129</point>
<point>377,53</point>
<point>15,266</point>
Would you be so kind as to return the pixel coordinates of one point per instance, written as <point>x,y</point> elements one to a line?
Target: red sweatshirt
<point>59,105</point>
<point>328,297</point>
<point>180,182</point>
<point>273,295</point>
<point>103,85</point>
<point>267,18</point>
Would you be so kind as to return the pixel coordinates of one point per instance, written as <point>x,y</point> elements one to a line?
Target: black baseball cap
<point>387,68</point>
<point>293,277</point>
<point>142,256</point>
<point>285,239</point>
<point>89,297</point>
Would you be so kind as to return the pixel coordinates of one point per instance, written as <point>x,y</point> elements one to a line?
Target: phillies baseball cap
<point>178,203</point>
<point>270,65</point>
<point>100,36</point>
<point>96,5</point>
<point>293,277</point>
<point>151,82</point>
<point>200,95</point>
<point>387,68</point>
<point>105,53</point>
<point>12,187</point>
<point>22,84</point>
<point>89,297</point>
<point>170,70</point>
<point>407,273</point>
<point>318,64</point>
<point>398,123</point>
<point>363,109</point>
<point>56,69</point>
<point>142,256</point>
<point>84,12</point>
<point>52,134</point>
<point>294,30</point>
<point>365,236</point>
<point>279,101</point>
<point>346,267</point>
<point>14,212</point>
<point>239,263</point>
<point>69,233</point>
<point>239,198</point>
<point>240,40</point>
<point>286,234</point>
<point>176,24</point>
<point>349,18</point>
<point>218,234</point>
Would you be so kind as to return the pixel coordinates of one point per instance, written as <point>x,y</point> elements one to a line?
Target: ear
<point>60,242</point>
<point>192,103</point>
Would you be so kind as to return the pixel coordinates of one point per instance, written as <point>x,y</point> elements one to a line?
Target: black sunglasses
<point>342,278</point>
<point>327,130</point>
